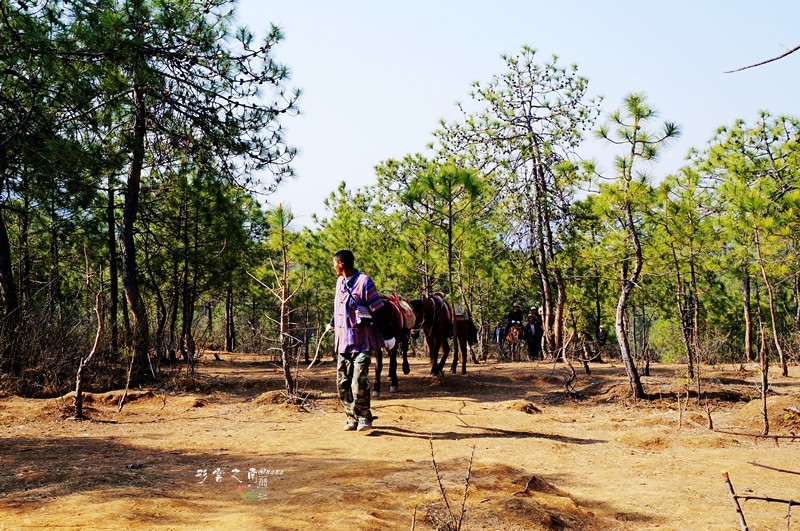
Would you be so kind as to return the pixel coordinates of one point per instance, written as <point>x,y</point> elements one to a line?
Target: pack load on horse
<point>439,321</point>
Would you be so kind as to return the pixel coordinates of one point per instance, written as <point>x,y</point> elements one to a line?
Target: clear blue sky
<point>377,76</point>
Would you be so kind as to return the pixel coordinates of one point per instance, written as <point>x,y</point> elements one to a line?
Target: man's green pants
<point>352,375</point>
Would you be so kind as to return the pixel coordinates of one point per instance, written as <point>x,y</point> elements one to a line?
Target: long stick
<point>739,513</point>
<point>316,354</point>
<point>773,468</point>
<point>759,435</point>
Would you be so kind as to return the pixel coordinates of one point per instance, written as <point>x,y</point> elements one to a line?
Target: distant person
<point>515,315</point>
<point>602,337</point>
<point>355,303</point>
<point>534,331</point>
<point>499,333</point>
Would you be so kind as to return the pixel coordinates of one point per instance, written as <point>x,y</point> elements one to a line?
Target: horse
<point>465,333</point>
<point>514,340</point>
<point>437,322</point>
<point>401,321</point>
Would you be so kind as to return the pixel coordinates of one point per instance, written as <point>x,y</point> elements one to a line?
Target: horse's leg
<point>456,346</point>
<point>445,353</point>
<point>376,389</point>
<point>460,346</point>
<point>393,369</point>
<point>404,347</point>
<point>463,355</point>
<point>433,354</point>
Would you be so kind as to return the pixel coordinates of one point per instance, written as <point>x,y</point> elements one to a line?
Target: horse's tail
<point>472,333</point>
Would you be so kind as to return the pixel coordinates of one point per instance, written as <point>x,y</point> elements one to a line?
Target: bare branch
<point>767,61</point>
<point>773,468</point>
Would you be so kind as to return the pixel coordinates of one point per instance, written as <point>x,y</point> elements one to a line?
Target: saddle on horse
<point>402,309</point>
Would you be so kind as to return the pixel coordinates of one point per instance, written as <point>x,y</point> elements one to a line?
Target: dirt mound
<point>270,398</point>
<point>783,413</point>
<point>519,405</point>
<point>110,398</point>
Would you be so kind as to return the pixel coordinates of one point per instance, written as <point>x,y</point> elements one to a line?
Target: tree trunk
<point>230,329</point>
<point>84,362</point>
<point>547,294</point>
<point>54,292</point>
<point>561,289</point>
<point>597,306</point>
<point>773,320</point>
<point>285,324</point>
<point>10,360</point>
<point>748,318</point>
<point>24,232</point>
<point>7,284</point>
<point>683,313</point>
<point>142,371</point>
<point>695,305</point>
<point>113,274</point>
<point>190,292</point>
<point>161,309</point>
<point>796,289</point>
<point>627,287</point>
<point>763,356</point>
<point>172,342</point>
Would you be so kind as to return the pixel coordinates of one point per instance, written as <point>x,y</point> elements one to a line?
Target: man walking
<point>355,303</point>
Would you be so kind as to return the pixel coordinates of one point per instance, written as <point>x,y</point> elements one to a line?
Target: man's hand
<point>328,328</point>
<point>389,343</point>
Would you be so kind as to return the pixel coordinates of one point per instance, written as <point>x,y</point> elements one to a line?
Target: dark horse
<point>400,327</point>
<point>438,324</point>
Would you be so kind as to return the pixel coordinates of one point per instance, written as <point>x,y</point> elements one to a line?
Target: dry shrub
<point>302,400</point>
<point>436,515</point>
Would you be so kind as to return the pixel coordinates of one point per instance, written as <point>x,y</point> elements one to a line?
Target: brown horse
<point>435,319</point>
<point>514,340</point>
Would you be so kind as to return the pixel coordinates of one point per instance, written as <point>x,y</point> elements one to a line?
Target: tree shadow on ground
<point>168,488</point>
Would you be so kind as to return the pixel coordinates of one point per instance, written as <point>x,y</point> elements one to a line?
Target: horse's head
<point>419,310</point>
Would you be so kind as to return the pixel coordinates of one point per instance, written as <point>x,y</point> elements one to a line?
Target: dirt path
<point>225,455</point>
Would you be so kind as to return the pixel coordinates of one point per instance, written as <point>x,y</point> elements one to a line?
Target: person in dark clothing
<point>515,315</point>
<point>602,337</point>
<point>533,334</point>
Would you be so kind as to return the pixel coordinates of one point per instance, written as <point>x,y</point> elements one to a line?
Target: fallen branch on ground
<point>760,435</point>
<point>773,468</point>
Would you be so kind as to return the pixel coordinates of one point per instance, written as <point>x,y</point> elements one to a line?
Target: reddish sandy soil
<point>542,459</point>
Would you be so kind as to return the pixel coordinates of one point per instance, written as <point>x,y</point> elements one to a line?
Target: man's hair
<point>346,257</point>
